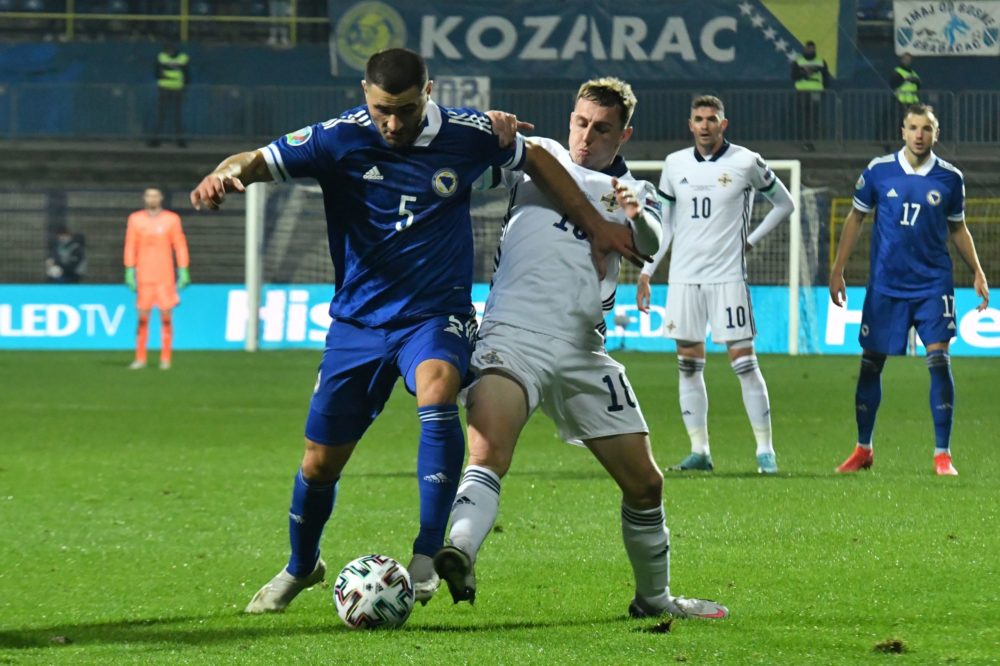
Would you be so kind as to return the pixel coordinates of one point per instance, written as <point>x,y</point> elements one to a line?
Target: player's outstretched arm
<point>232,175</point>
<point>848,238</point>
<point>966,247</point>
<point>562,191</point>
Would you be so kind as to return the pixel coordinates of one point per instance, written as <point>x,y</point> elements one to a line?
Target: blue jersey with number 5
<point>397,219</point>
<point>909,251</point>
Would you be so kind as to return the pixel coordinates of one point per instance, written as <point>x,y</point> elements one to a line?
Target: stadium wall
<point>213,317</point>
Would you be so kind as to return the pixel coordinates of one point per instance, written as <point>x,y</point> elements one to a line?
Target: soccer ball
<point>372,592</point>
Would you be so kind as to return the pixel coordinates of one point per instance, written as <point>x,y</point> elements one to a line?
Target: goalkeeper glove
<point>130,277</point>
<point>183,278</point>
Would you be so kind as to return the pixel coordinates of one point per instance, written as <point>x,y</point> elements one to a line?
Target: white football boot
<point>425,580</point>
<point>279,592</point>
<point>680,607</point>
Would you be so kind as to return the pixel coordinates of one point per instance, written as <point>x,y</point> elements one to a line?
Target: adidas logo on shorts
<point>373,174</point>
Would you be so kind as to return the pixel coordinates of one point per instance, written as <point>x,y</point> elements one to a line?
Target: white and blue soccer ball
<point>373,592</point>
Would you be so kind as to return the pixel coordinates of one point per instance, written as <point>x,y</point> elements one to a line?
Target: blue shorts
<point>360,366</point>
<point>886,321</point>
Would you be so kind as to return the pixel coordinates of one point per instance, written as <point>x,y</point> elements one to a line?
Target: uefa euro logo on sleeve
<point>299,137</point>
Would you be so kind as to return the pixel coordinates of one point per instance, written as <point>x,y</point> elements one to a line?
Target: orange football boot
<point>860,459</point>
<point>943,466</point>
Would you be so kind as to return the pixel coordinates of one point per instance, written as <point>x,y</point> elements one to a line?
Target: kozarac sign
<point>684,39</point>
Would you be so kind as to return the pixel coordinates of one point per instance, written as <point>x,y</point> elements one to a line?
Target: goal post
<point>794,276</point>
<point>253,262</point>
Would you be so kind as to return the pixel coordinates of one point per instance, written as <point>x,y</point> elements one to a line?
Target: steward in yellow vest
<point>809,71</point>
<point>171,79</point>
<point>905,82</point>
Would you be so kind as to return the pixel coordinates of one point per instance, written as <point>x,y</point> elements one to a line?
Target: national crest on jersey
<point>398,218</point>
<point>711,201</point>
<point>913,208</point>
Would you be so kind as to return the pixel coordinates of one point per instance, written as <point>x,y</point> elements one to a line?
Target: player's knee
<point>438,383</point>
<point>493,459</point>
<point>321,463</point>
<point>645,489</point>
<point>872,364</point>
<point>689,365</point>
<point>938,358</point>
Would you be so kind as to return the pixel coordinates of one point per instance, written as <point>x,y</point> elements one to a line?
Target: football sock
<point>140,339</point>
<point>647,542</point>
<point>694,401</point>
<point>312,504</point>
<point>868,396</point>
<point>439,466</point>
<point>942,398</point>
<point>755,400</point>
<point>475,511</point>
<point>166,338</point>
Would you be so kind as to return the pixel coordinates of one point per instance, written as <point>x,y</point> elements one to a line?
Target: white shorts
<point>584,391</point>
<point>724,307</point>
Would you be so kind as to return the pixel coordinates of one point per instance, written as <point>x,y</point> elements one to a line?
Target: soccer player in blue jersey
<point>919,203</point>
<point>396,174</point>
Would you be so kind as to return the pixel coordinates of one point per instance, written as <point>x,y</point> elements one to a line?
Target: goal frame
<point>794,184</point>
<point>256,203</point>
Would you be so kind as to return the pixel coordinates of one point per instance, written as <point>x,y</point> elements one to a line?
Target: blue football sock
<point>942,397</point>
<point>868,396</point>
<point>439,469</point>
<point>312,504</point>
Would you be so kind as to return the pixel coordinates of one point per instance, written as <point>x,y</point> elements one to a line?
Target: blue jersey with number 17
<point>909,251</point>
<point>397,218</point>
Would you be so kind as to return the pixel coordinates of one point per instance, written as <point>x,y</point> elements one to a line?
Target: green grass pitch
<point>139,511</point>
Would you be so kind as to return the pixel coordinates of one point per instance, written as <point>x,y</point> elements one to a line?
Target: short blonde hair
<point>610,91</point>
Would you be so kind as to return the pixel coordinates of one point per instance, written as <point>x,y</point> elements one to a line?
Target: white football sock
<point>475,509</point>
<point>755,400</point>
<point>647,542</point>
<point>694,401</point>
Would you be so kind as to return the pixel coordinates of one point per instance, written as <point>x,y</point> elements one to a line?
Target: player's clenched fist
<point>211,192</point>
<point>626,198</point>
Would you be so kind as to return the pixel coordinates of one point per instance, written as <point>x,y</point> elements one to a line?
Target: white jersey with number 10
<point>710,203</point>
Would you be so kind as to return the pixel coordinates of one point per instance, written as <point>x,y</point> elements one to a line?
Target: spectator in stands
<point>280,9</point>
<point>172,77</point>
<point>811,77</point>
<point>905,84</point>
<point>67,260</point>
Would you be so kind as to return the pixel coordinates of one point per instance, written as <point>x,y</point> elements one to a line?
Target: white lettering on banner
<point>58,320</point>
<point>837,320</point>
<point>981,329</point>
<point>435,37</point>
<point>535,49</point>
<point>530,40</point>
<point>674,38</point>
<point>650,325</point>
<point>708,35</point>
<point>626,33</point>
<point>286,316</point>
<point>503,48</point>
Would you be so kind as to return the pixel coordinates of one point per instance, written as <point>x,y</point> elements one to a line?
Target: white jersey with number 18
<point>710,202</point>
<point>545,280</point>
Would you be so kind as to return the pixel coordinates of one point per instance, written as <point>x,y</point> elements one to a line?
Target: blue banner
<point>745,40</point>
<point>60,317</point>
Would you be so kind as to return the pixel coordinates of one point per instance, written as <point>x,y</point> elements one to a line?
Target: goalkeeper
<point>153,239</point>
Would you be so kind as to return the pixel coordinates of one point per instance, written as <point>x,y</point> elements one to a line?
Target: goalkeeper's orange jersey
<point>150,244</point>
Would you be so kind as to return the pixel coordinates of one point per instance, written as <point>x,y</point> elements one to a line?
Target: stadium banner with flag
<point>934,28</point>
<point>747,40</point>
<point>214,317</point>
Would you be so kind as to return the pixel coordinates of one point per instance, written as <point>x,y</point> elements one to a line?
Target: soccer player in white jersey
<point>710,190</point>
<point>541,344</point>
